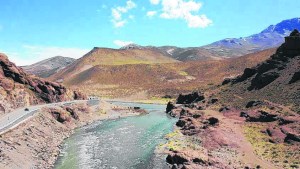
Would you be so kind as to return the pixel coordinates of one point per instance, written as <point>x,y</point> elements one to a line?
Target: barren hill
<point>106,56</point>
<point>147,80</point>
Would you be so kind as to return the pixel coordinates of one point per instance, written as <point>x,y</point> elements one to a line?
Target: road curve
<point>18,116</point>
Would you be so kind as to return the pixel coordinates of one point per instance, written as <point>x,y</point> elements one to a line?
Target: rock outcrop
<point>268,71</point>
<point>260,116</point>
<point>190,98</point>
<point>276,79</point>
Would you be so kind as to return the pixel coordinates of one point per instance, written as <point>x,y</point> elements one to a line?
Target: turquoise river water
<point>119,144</point>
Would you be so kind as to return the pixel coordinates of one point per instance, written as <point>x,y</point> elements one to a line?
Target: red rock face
<point>13,78</point>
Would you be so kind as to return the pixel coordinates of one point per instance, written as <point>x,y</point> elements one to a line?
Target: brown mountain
<point>19,89</point>
<point>147,73</point>
<point>106,56</point>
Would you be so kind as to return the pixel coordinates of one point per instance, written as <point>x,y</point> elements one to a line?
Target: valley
<point>233,103</point>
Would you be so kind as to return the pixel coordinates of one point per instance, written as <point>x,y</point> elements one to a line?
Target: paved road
<point>17,116</point>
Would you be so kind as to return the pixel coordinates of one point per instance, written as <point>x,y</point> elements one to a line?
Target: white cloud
<point>187,10</point>
<point>196,21</point>
<point>119,24</point>
<point>151,13</point>
<point>29,54</point>
<point>121,43</point>
<point>117,14</point>
<point>154,2</point>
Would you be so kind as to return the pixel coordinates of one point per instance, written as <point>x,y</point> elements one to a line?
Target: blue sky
<point>32,30</point>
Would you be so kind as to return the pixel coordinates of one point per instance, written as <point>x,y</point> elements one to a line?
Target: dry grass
<point>282,155</point>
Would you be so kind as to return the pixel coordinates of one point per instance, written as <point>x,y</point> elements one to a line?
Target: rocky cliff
<point>18,89</point>
<point>276,79</point>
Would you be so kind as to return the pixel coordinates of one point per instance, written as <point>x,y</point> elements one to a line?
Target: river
<point>123,143</point>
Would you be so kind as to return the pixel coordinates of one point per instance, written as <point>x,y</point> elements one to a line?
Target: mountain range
<point>132,54</point>
<point>148,71</point>
<point>231,47</point>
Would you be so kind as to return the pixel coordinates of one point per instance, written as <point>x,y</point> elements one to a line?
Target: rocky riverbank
<point>36,142</point>
<point>211,135</point>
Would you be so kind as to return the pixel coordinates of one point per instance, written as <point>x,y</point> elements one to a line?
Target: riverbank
<point>36,143</point>
<point>211,135</point>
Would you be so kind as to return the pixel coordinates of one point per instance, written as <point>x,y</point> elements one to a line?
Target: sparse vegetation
<point>280,154</point>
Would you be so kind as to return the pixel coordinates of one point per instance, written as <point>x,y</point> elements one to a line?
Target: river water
<point>119,144</point>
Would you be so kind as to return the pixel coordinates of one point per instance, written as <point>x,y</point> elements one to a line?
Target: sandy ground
<point>36,142</point>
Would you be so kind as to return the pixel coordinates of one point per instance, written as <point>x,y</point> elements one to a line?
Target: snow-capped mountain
<point>268,38</point>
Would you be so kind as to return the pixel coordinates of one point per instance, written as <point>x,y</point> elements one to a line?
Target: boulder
<point>190,98</point>
<point>253,103</point>
<point>170,106</point>
<point>213,101</point>
<point>213,121</point>
<point>224,109</point>
<point>196,116</point>
<point>291,135</point>
<point>180,123</point>
<point>176,159</point>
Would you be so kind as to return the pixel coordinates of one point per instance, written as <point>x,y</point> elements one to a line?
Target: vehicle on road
<point>26,109</point>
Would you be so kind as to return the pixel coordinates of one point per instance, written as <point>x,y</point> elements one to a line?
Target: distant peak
<point>58,57</point>
<point>132,46</point>
<point>285,26</point>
